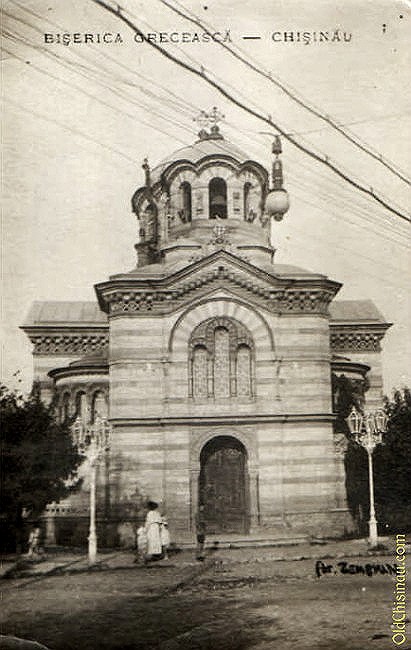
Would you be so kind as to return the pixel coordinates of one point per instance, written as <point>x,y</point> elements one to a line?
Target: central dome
<point>200,149</point>
<point>209,182</point>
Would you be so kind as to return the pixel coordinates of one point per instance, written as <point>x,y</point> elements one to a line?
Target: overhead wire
<point>90,95</point>
<point>117,93</point>
<point>247,60</point>
<point>107,56</point>
<point>239,93</point>
<point>267,120</point>
<point>64,62</point>
<point>335,191</point>
<point>128,158</point>
<point>72,130</point>
<point>102,54</point>
<point>109,88</point>
<point>331,194</point>
<point>329,198</point>
<point>322,196</point>
<point>369,120</point>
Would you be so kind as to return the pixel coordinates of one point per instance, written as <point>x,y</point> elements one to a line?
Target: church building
<point>211,362</point>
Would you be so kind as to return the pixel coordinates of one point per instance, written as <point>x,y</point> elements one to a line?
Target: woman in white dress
<point>153,528</point>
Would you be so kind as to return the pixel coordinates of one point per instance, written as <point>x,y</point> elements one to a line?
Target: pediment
<point>164,292</point>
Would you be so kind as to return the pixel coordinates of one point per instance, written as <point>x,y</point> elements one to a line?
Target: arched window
<point>185,212</point>
<point>65,407</point>
<point>221,360</point>
<point>199,371</point>
<point>99,406</point>
<point>217,196</point>
<point>221,365</point>
<point>82,407</point>
<point>243,370</point>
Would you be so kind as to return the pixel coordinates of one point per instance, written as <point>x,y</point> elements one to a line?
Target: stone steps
<point>270,538</point>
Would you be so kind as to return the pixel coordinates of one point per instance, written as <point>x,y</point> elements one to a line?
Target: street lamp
<point>367,432</point>
<point>95,438</point>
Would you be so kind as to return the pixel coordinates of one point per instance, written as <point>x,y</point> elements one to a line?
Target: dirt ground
<point>237,599</point>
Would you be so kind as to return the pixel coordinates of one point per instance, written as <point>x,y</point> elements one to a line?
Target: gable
<point>137,294</point>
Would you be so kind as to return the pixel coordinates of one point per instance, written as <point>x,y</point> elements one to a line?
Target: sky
<point>79,119</point>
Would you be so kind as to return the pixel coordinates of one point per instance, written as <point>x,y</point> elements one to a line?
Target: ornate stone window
<point>185,193</point>
<point>221,360</point>
<point>217,195</point>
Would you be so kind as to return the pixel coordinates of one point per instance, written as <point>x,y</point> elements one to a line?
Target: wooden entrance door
<point>224,486</point>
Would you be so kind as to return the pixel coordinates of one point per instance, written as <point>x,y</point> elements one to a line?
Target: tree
<point>39,460</point>
<point>391,461</point>
<point>348,392</point>
<point>393,464</point>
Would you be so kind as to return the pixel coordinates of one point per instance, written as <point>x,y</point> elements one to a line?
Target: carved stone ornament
<point>219,238</point>
<point>62,344</point>
<point>223,270</point>
<point>354,340</point>
<point>275,300</point>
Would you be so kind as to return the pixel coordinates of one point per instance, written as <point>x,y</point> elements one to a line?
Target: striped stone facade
<point>214,364</point>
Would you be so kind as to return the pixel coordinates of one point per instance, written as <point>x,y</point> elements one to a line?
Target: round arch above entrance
<point>223,487</point>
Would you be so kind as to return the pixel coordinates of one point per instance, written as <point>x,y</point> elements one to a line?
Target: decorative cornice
<point>76,371</point>
<point>277,301</point>
<point>357,338</point>
<point>65,343</point>
<point>135,296</point>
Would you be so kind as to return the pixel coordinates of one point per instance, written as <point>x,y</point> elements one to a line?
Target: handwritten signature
<point>321,568</point>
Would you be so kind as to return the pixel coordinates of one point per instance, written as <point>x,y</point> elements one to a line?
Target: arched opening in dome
<point>185,191</point>
<point>247,190</point>
<point>217,194</point>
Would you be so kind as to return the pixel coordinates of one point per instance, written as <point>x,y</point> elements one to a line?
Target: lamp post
<point>95,438</point>
<point>367,432</point>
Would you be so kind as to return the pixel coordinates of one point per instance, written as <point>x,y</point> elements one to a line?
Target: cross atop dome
<point>209,120</point>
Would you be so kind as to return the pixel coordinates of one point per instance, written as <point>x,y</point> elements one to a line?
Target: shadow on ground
<point>134,622</point>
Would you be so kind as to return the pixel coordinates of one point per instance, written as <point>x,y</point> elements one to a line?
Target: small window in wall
<point>185,211</point>
<point>217,194</point>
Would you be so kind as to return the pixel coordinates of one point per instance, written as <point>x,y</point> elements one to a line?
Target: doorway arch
<point>224,485</point>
